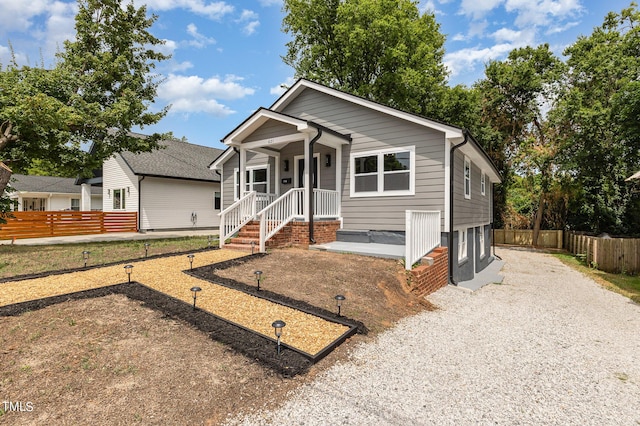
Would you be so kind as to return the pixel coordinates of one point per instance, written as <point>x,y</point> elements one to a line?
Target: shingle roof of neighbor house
<point>53,184</point>
<point>181,160</point>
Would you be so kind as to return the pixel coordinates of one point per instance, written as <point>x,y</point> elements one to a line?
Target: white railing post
<point>237,215</point>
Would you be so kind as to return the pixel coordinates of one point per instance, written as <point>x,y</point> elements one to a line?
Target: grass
<point>20,260</point>
<point>627,285</point>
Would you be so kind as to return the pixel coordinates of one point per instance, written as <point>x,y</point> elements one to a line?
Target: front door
<point>314,177</point>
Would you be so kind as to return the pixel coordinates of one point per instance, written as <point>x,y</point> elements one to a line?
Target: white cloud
<point>251,27</point>
<point>469,59</point>
<point>282,87</point>
<point>270,2</point>
<point>212,10</point>
<point>250,20</point>
<point>195,94</point>
<point>168,47</point>
<point>199,40</point>
<point>477,9</point>
<point>180,66</point>
<point>562,28</point>
<point>18,15</point>
<point>542,12</point>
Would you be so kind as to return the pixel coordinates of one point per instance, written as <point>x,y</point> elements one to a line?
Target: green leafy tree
<point>383,50</point>
<point>516,93</point>
<point>100,87</point>
<point>599,118</point>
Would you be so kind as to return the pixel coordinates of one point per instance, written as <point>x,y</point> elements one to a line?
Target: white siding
<point>96,202</point>
<point>61,201</point>
<point>169,204</point>
<point>117,175</point>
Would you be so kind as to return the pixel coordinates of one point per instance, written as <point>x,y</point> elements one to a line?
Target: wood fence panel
<point>614,255</point>
<point>66,223</point>
<point>524,237</point>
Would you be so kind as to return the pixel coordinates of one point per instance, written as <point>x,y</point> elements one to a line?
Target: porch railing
<point>277,214</point>
<point>326,204</point>
<point>263,200</point>
<point>236,216</point>
<point>422,234</point>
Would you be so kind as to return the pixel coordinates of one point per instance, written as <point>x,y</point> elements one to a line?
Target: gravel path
<point>548,346</point>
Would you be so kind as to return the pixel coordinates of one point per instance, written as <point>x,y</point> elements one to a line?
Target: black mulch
<point>288,363</point>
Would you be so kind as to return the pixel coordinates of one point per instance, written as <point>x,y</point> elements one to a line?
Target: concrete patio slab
<point>389,251</point>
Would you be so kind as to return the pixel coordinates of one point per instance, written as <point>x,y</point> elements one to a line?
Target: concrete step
<point>241,247</point>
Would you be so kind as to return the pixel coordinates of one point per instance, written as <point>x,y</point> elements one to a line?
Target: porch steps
<point>251,233</point>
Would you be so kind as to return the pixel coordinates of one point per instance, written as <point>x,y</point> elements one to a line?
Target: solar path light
<point>191,256</point>
<point>85,257</point>
<point>146,249</point>
<point>339,299</point>
<point>195,291</point>
<point>253,246</point>
<point>258,275</point>
<point>128,269</point>
<point>277,327</point>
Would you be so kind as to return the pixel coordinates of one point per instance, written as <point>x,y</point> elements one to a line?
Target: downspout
<point>311,172</point>
<point>139,203</point>
<point>451,186</point>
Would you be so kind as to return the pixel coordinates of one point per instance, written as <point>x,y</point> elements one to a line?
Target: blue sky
<point>227,54</point>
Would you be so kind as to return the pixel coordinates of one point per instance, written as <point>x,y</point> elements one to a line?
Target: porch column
<point>339,177</point>
<point>242,172</point>
<point>85,197</point>
<point>307,178</point>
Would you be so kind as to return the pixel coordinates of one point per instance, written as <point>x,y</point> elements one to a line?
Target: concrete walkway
<point>114,236</point>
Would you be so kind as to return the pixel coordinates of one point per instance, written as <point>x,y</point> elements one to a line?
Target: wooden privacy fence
<point>63,223</point>
<point>524,237</point>
<point>615,255</point>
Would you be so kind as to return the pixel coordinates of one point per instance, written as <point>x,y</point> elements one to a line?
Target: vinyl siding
<point>271,129</point>
<point>372,130</point>
<point>96,202</point>
<point>477,210</point>
<point>253,159</point>
<point>169,204</point>
<point>116,175</point>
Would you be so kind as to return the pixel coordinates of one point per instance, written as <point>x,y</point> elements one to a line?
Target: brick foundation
<point>426,279</point>
<point>296,234</point>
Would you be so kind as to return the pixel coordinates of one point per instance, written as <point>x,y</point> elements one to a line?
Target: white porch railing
<point>277,214</point>
<point>236,216</point>
<point>422,234</point>
<point>326,204</point>
<point>263,200</point>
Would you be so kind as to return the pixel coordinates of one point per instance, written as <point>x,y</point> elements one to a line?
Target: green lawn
<point>19,260</point>
<point>627,285</point>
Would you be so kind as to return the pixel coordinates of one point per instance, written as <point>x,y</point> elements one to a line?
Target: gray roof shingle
<point>180,160</point>
<point>53,184</point>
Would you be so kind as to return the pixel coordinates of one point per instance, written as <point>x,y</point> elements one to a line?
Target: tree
<point>599,117</point>
<point>100,87</point>
<point>516,93</point>
<point>383,50</point>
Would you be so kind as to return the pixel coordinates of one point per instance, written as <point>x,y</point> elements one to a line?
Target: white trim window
<point>75,204</point>
<point>481,241</point>
<point>383,173</point>
<point>256,179</point>
<point>483,185</point>
<point>462,245</point>
<point>119,198</point>
<point>467,178</point>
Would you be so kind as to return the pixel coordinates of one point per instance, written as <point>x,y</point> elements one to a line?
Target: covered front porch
<point>287,169</point>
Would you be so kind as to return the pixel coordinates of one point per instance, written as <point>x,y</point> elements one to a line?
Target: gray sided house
<point>49,193</point>
<point>370,164</point>
<point>169,188</point>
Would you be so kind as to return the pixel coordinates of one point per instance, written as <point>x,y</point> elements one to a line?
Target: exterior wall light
<point>339,299</point>
<point>258,275</point>
<point>195,291</point>
<point>277,327</point>
<point>128,270</point>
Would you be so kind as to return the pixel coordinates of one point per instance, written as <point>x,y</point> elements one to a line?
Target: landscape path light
<point>210,240</point>
<point>191,256</point>
<point>277,327</point>
<point>85,257</point>
<point>146,249</point>
<point>339,299</point>
<point>128,270</point>
<point>258,275</point>
<point>253,246</point>
<point>195,291</point>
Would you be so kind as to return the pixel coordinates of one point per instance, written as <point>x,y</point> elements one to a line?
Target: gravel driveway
<point>548,346</point>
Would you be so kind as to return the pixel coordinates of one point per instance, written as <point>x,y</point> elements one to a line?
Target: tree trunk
<point>5,175</point>
<point>537,222</point>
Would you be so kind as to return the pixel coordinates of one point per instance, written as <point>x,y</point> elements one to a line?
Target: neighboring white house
<point>170,188</point>
<point>366,165</point>
<point>48,193</point>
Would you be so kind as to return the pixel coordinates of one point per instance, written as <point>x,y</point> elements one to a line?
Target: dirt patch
<point>110,360</point>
